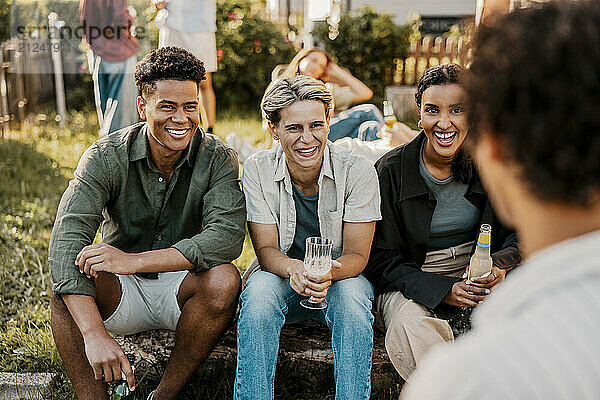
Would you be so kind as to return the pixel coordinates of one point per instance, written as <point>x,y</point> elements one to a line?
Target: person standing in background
<point>111,59</point>
<point>192,26</point>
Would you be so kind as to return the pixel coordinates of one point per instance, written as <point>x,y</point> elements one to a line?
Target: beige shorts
<point>146,304</point>
<point>203,45</point>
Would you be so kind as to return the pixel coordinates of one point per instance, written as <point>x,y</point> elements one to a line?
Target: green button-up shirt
<point>201,211</point>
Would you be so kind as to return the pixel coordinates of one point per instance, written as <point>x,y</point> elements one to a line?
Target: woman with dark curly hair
<point>432,205</point>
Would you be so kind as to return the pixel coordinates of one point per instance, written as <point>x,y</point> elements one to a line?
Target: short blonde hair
<point>284,91</point>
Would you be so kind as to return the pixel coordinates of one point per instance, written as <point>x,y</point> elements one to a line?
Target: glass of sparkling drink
<point>317,261</point>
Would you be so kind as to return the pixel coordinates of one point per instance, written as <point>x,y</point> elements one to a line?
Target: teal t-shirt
<point>454,217</point>
<point>307,222</point>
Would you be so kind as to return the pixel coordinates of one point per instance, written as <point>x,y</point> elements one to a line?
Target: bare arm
<point>358,237</point>
<point>343,77</point>
<point>492,9</point>
<point>265,238</point>
<point>103,353</point>
<point>104,257</point>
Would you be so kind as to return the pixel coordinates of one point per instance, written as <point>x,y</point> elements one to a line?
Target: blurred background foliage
<point>368,44</point>
<point>249,46</point>
<point>4,19</point>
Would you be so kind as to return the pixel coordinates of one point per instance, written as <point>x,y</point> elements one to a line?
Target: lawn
<point>36,163</point>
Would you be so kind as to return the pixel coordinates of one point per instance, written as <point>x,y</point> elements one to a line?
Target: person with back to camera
<point>432,206</point>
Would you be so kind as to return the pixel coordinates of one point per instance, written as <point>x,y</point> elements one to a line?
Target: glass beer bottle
<point>390,119</point>
<point>388,114</point>
<point>121,390</point>
<point>481,260</point>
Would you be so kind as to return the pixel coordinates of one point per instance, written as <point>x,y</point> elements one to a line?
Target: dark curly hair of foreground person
<point>545,96</point>
<point>167,63</point>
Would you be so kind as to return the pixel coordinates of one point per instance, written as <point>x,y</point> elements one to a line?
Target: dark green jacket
<point>201,212</point>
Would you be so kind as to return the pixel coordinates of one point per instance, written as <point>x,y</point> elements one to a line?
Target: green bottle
<point>121,390</point>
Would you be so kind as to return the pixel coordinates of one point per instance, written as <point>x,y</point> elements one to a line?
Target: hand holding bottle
<point>107,359</point>
<point>490,281</point>
<point>465,294</point>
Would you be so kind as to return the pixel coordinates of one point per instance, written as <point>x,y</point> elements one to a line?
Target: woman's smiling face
<point>444,120</point>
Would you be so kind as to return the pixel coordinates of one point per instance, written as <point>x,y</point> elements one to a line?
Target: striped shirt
<point>536,337</point>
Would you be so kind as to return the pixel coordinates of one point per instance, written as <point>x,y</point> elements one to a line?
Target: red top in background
<point>106,25</point>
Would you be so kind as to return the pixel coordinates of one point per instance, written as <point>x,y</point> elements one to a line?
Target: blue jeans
<point>268,302</point>
<point>362,121</point>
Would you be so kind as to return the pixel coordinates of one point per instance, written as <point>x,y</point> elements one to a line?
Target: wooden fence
<point>422,54</point>
<point>27,75</point>
<point>427,53</point>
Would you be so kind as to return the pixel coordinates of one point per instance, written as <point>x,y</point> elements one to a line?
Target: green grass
<point>36,163</point>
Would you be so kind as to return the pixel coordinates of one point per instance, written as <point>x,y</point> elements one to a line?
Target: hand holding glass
<point>317,261</point>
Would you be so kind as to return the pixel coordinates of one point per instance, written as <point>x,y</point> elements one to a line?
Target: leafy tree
<point>367,44</point>
<point>248,48</point>
<point>4,19</point>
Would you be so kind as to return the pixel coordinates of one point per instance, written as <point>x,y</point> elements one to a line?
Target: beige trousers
<point>411,329</point>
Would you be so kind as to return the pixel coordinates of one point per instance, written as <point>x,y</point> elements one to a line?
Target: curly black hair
<point>535,84</point>
<point>443,74</point>
<point>167,63</point>
<point>463,168</point>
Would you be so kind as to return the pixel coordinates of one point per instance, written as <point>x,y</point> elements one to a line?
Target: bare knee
<point>224,288</point>
<point>217,288</point>
<point>108,293</point>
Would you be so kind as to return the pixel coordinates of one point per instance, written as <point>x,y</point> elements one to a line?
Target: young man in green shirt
<point>172,215</point>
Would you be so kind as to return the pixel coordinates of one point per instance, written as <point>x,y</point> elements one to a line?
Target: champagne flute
<point>317,261</point>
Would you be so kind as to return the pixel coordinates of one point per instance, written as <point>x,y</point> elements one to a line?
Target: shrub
<point>248,48</point>
<point>4,20</point>
<point>367,44</point>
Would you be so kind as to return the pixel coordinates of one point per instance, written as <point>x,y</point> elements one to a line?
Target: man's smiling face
<point>172,115</point>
